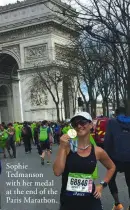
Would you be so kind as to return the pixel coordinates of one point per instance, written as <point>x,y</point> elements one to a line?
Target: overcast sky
<point>73,3</point>
<point>4,2</point>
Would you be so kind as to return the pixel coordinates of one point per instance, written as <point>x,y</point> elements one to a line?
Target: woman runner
<point>78,191</point>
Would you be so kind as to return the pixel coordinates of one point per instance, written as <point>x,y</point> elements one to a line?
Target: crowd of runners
<point>42,134</point>
<point>77,155</point>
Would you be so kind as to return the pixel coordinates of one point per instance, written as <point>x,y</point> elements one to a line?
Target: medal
<point>72,133</point>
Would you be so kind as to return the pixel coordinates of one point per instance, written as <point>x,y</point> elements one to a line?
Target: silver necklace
<point>81,148</point>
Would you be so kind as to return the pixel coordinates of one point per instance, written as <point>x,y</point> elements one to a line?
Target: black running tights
<point>112,185</point>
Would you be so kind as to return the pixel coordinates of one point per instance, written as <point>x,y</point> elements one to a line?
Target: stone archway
<point>4,109</point>
<point>8,65</point>
<point>9,89</point>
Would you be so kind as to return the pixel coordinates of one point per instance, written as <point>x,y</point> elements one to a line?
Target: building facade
<point>29,33</point>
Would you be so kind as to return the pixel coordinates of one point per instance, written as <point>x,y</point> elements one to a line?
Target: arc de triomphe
<point>29,32</point>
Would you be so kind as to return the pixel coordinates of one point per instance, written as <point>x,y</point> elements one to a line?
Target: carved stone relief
<point>28,22</point>
<point>31,31</point>
<point>35,55</point>
<point>24,33</point>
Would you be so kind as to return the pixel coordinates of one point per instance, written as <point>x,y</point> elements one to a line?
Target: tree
<point>64,58</point>
<point>109,22</point>
<point>48,80</point>
<point>86,62</point>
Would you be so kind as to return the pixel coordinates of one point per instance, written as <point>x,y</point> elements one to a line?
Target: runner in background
<point>11,139</point>
<point>33,126</point>
<point>4,125</point>
<point>57,132</point>
<point>44,138</point>
<point>4,141</point>
<point>51,136</point>
<point>17,134</point>
<point>20,128</point>
<point>117,145</point>
<point>27,137</point>
<point>36,137</point>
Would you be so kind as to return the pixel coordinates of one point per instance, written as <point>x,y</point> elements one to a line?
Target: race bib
<point>79,184</point>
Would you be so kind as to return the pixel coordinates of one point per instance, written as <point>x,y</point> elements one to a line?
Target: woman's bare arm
<point>59,164</point>
<point>103,157</point>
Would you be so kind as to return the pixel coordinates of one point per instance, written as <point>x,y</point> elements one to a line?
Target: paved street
<point>33,162</point>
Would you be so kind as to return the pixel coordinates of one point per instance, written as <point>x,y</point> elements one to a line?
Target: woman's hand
<point>98,191</point>
<point>64,141</point>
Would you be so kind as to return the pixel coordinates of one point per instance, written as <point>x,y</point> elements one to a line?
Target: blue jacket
<point>114,127</point>
<point>57,129</point>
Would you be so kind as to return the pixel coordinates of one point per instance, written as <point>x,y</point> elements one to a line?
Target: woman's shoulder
<point>98,151</point>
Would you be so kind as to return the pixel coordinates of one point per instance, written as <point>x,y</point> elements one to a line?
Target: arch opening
<point>9,88</point>
<point>3,90</point>
<point>8,65</point>
<point>4,115</point>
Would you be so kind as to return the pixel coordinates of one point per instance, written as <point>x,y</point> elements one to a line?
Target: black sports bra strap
<point>93,149</point>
